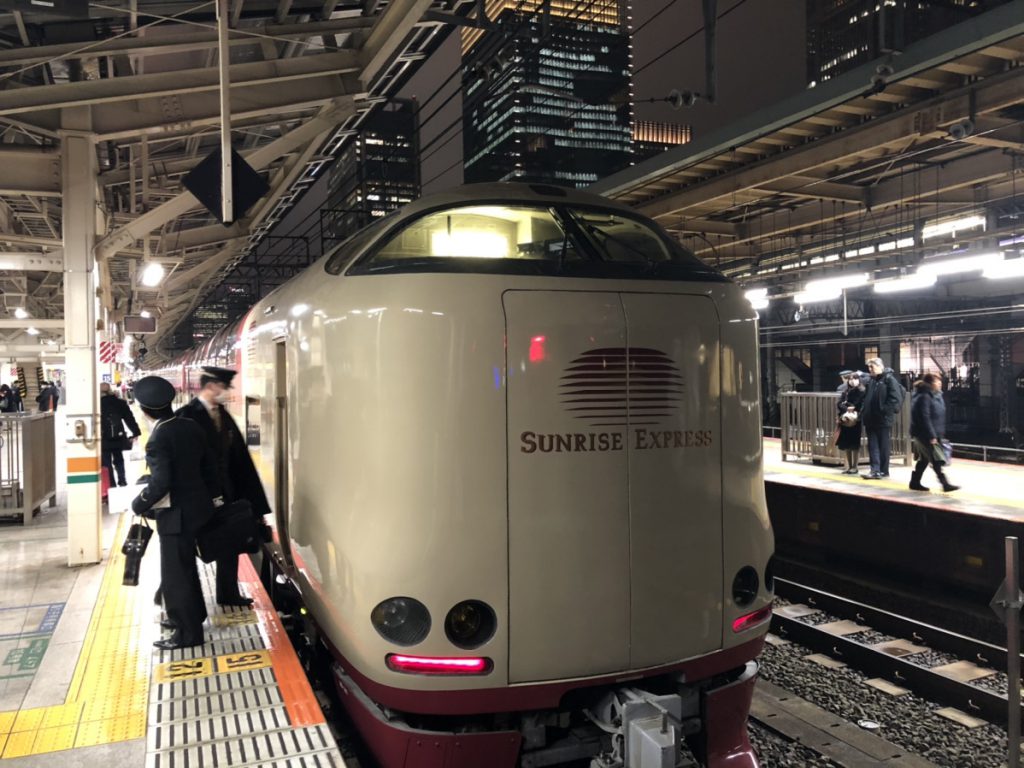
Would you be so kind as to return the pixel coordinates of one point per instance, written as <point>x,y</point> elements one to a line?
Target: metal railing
<point>809,421</point>
<point>28,469</point>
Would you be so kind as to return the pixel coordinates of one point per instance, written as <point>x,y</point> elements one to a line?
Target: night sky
<point>761,60</point>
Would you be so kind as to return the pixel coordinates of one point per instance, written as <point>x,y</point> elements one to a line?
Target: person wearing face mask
<point>181,468</point>
<point>235,468</point>
<point>850,401</point>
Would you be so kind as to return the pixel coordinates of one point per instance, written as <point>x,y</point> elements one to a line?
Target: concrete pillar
<point>80,427</point>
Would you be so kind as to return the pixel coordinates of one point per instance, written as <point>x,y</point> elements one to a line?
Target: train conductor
<point>181,465</point>
<point>235,469</point>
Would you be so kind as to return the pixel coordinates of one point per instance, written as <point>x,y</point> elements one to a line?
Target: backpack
<point>901,394</point>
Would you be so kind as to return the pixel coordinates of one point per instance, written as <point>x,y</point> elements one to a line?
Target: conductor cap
<point>154,392</point>
<point>219,375</point>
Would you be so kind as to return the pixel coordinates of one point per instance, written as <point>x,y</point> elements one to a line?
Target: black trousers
<point>115,457</point>
<point>227,579</point>
<point>179,582</point>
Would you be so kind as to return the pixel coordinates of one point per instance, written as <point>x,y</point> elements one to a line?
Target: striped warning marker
<point>83,470</point>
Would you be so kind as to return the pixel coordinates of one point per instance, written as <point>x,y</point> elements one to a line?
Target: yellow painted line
<point>867,485</point>
<point>190,669</point>
<point>109,693</point>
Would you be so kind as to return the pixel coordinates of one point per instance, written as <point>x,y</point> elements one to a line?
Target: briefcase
<point>232,530</point>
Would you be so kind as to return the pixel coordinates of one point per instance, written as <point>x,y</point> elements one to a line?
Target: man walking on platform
<point>114,414</point>
<point>882,401</point>
<point>181,467</point>
<point>236,471</point>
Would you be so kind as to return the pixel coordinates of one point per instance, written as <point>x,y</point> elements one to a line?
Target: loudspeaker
<point>248,186</point>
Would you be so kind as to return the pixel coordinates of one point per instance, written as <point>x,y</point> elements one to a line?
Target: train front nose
<point>615,507</point>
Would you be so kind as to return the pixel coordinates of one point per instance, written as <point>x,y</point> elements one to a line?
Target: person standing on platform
<point>850,403</point>
<point>181,466</point>
<point>927,430</point>
<point>882,401</point>
<point>236,471</point>
<point>10,399</point>
<point>47,398</point>
<point>114,414</point>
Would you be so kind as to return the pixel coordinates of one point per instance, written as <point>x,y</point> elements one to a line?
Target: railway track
<point>897,649</point>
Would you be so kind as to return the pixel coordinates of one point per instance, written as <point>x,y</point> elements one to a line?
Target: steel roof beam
<point>927,119</point>
<point>274,73</point>
<point>259,159</point>
<point>986,29</point>
<point>153,45</point>
<point>31,262</point>
<point>388,34</point>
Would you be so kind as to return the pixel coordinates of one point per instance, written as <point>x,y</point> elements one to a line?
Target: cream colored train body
<point>533,400</point>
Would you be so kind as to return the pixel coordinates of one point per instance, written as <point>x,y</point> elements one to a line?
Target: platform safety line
<point>296,692</point>
<point>109,690</point>
<point>922,500</point>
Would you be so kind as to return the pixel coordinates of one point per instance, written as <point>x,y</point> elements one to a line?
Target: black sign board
<point>203,181</point>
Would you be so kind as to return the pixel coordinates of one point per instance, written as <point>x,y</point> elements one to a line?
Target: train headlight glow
<point>401,620</point>
<point>470,624</point>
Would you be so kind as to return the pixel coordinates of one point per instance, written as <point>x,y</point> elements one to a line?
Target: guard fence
<point>28,470</point>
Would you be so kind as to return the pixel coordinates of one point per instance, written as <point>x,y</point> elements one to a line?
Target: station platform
<point>987,489</point>
<point>82,685</point>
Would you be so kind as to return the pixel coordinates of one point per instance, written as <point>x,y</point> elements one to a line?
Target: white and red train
<point>512,438</point>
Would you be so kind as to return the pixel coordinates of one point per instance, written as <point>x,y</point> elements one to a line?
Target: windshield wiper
<point>596,231</point>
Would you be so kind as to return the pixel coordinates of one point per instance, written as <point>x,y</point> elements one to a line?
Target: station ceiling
<point>834,178</point>
<point>144,73</point>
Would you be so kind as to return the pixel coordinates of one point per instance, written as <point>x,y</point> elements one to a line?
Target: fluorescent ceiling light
<point>32,331</point>
<point>754,294</point>
<point>837,283</point>
<point>1008,268</point>
<point>145,313</point>
<point>952,226</point>
<point>20,313</point>
<point>963,264</point>
<point>909,283</point>
<point>822,294</point>
<point>759,303</point>
<point>153,274</point>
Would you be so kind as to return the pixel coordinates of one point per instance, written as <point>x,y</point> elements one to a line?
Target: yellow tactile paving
<point>106,700</point>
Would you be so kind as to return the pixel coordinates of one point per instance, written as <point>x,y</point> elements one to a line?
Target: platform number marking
<point>238,662</point>
<point>189,669</point>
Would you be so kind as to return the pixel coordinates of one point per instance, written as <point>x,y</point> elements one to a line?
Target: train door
<point>675,477</point>
<point>282,468</point>
<point>568,516</point>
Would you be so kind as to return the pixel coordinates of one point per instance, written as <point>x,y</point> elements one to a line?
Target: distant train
<point>512,436</point>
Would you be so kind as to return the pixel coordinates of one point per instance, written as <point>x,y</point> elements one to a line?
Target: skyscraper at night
<point>843,34</point>
<point>378,172</point>
<point>547,94</point>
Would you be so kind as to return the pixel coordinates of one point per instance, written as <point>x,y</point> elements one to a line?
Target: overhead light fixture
<point>145,313</point>
<point>51,342</point>
<point>20,313</point>
<point>952,226</point>
<point>839,283</point>
<point>32,331</point>
<point>153,274</point>
<point>1004,269</point>
<point>962,264</point>
<point>908,283</point>
<point>824,294</point>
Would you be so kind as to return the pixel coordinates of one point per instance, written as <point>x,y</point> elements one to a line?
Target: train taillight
<point>438,665</point>
<point>750,620</point>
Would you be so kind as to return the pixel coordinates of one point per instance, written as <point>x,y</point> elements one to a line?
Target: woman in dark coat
<point>927,430</point>
<point>850,402</point>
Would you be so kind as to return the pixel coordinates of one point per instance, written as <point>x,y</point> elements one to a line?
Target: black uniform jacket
<point>236,471</point>
<point>115,413</point>
<point>180,464</point>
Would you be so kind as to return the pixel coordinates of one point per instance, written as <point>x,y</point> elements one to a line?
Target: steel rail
<point>979,702</point>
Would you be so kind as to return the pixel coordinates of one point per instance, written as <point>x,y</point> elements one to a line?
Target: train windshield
<point>523,239</point>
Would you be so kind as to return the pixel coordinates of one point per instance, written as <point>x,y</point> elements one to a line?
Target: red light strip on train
<point>433,665</point>
<point>752,619</point>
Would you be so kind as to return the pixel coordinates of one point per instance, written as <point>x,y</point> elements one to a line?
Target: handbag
<point>133,549</point>
<point>232,530</point>
<point>947,450</point>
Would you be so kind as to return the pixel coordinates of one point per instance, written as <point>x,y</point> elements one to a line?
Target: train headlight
<point>470,624</point>
<point>401,620</point>
<point>744,586</point>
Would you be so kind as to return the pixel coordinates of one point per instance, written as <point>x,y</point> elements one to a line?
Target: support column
<point>80,427</point>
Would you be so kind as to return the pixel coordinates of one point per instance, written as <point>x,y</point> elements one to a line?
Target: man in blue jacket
<point>882,401</point>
